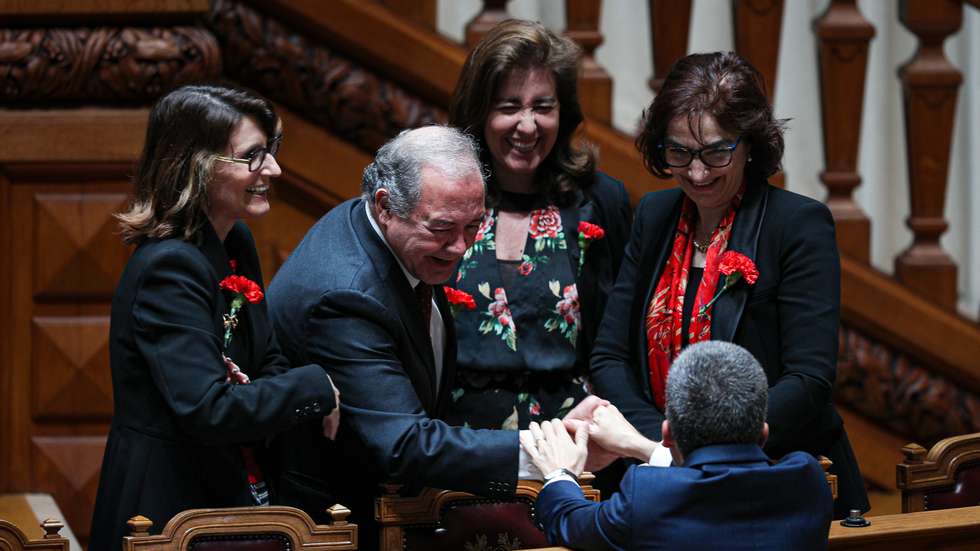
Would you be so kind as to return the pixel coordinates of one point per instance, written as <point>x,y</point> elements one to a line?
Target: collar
<point>725,453</point>
<point>412,280</point>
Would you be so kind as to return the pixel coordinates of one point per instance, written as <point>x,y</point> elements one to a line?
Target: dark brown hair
<point>187,128</point>
<point>517,44</point>
<point>727,87</point>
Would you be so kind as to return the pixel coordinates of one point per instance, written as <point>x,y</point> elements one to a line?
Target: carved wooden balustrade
<point>76,81</point>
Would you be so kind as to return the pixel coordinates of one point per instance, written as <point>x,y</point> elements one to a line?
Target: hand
<point>614,433</point>
<point>331,422</point>
<point>550,447</point>
<point>233,373</point>
<point>579,419</point>
<point>583,411</point>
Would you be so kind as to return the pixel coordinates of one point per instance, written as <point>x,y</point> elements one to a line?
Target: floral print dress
<point>517,357</point>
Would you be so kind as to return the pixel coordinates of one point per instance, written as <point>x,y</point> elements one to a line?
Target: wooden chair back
<point>13,538</point>
<point>446,520</point>
<point>244,529</point>
<point>944,477</point>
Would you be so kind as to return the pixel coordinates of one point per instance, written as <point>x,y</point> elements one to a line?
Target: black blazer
<point>342,300</point>
<point>177,426</point>
<point>788,320</point>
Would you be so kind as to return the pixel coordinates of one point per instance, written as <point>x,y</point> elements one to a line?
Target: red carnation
<point>244,289</point>
<point>733,262</point>
<point>735,266</point>
<point>587,233</point>
<point>590,231</point>
<point>243,286</point>
<point>459,299</point>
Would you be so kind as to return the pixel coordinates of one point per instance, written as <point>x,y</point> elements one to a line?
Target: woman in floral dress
<point>529,294</point>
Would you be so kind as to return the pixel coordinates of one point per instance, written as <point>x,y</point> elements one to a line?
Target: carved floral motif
<point>103,64</point>
<point>898,392</point>
<point>310,78</point>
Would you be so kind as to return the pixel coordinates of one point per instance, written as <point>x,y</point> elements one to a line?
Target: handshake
<point>590,437</point>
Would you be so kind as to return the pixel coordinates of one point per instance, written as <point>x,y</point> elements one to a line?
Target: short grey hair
<point>397,167</point>
<point>717,393</point>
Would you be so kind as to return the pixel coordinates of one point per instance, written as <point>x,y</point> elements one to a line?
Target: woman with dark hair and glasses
<point>198,380</point>
<point>550,244</point>
<point>726,256</point>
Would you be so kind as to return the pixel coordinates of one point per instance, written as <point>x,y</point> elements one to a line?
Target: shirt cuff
<point>525,468</point>
<point>560,477</point>
<point>661,457</point>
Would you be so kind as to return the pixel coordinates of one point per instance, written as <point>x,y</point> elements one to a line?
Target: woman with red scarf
<point>726,256</point>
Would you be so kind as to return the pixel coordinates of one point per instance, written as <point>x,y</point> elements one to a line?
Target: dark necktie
<point>423,294</point>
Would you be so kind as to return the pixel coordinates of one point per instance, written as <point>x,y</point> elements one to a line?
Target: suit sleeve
<point>809,316</point>
<point>613,364</point>
<point>571,520</point>
<point>172,314</point>
<point>354,336</point>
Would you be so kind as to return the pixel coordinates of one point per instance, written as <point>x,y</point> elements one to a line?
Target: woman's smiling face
<point>710,188</point>
<point>522,126</point>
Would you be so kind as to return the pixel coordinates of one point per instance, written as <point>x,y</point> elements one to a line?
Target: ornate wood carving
<point>493,12</point>
<point>843,51</point>
<point>595,85</point>
<point>103,64</point>
<point>930,84</point>
<point>758,25</point>
<point>328,88</point>
<point>900,393</point>
<point>670,22</point>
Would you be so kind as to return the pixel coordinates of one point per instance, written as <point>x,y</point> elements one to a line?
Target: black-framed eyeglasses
<point>257,158</point>
<point>716,156</point>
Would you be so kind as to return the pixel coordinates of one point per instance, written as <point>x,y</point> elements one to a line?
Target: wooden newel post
<point>843,50</point>
<point>493,12</point>
<point>670,23</point>
<point>595,85</point>
<point>930,84</point>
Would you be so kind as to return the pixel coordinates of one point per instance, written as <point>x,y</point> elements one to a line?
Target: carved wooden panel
<point>67,467</point>
<point>103,64</point>
<point>70,375</point>
<point>898,392</point>
<point>76,242</point>
<point>69,259</point>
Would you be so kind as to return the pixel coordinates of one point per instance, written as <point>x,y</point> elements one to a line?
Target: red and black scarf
<point>664,315</point>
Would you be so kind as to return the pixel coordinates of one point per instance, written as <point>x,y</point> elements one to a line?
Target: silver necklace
<point>701,247</point>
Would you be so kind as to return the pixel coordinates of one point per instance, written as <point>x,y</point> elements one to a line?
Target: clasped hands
<point>590,437</point>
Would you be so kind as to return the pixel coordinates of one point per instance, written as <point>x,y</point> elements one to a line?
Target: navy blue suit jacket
<point>342,301</point>
<point>726,496</point>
